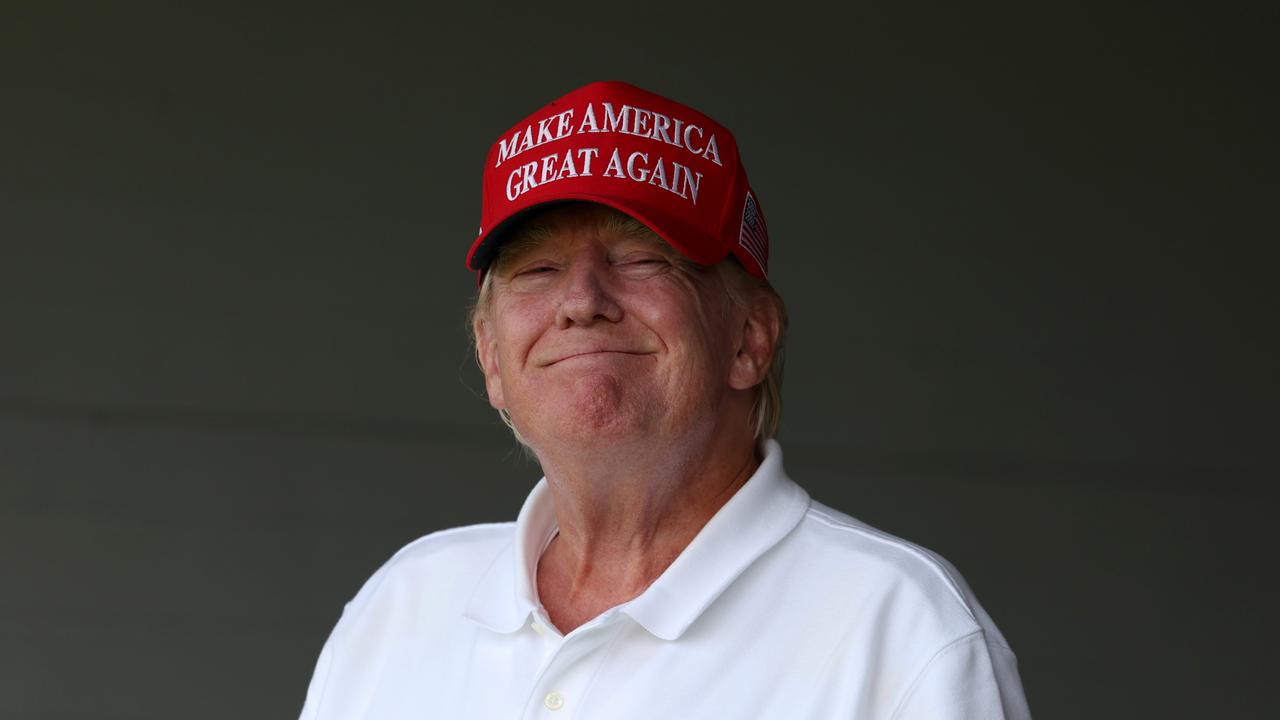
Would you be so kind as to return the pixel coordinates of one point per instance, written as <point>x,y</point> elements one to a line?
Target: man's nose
<point>587,297</point>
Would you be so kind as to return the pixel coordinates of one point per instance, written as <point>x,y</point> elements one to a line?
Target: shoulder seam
<point>910,547</point>
<point>924,669</point>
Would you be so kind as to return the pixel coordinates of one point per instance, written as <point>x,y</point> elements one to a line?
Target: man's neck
<point>623,522</point>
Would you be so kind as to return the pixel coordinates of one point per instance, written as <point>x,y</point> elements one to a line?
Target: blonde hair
<point>742,288</point>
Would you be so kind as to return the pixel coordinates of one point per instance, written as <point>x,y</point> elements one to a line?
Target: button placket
<point>572,664</point>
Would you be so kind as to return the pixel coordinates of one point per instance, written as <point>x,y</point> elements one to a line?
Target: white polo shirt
<point>779,608</point>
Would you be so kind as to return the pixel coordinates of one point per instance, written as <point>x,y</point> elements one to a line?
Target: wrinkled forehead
<point>566,219</point>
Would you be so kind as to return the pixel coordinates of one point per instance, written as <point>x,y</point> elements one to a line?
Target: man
<point>665,566</point>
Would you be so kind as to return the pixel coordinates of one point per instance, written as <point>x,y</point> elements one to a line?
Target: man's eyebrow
<point>642,235</point>
<point>514,249</point>
<point>652,243</point>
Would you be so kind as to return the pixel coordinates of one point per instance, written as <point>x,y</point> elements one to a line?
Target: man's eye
<point>537,270</point>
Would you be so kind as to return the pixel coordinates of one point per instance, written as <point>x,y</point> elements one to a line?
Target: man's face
<point>597,335</point>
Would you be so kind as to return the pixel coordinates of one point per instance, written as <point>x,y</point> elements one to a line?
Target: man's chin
<point>598,407</point>
<point>592,429</point>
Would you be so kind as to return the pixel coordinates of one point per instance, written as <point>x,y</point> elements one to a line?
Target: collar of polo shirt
<point>759,515</point>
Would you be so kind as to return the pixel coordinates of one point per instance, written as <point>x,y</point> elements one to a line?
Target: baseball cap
<point>663,163</point>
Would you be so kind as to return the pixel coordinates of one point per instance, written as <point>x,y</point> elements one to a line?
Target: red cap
<point>663,163</point>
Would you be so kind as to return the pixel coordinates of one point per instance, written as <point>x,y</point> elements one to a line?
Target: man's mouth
<point>588,354</point>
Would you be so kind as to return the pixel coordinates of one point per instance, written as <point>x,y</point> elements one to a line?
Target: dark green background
<point>1027,252</point>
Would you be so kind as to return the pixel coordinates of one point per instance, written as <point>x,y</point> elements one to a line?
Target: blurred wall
<point>1028,255</point>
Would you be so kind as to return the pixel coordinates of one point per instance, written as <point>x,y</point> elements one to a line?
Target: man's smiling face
<point>596,331</point>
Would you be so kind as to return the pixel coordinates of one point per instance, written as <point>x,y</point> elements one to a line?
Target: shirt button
<point>538,627</point>
<point>553,700</point>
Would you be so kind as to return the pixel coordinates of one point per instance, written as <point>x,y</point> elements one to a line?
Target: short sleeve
<point>969,679</point>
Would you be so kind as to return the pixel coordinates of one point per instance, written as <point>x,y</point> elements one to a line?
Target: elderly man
<point>665,567</point>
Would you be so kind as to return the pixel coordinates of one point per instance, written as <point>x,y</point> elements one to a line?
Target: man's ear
<point>756,343</point>
<point>487,356</point>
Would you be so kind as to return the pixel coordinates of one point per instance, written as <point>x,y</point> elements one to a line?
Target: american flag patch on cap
<point>754,236</point>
